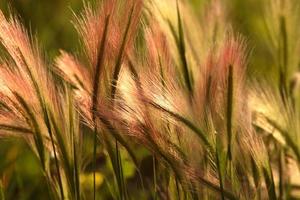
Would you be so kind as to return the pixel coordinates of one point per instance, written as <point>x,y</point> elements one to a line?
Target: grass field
<point>160,99</point>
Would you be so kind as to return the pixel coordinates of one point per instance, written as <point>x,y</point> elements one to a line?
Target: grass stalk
<point>18,129</point>
<point>95,93</point>
<point>72,117</point>
<point>229,112</point>
<point>219,168</point>
<point>67,165</point>
<point>56,163</point>
<point>281,169</point>
<point>256,177</point>
<point>229,118</point>
<point>117,69</point>
<point>120,174</point>
<point>46,119</point>
<point>76,172</point>
<point>182,51</point>
<point>32,121</point>
<point>177,189</point>
<point>268,176</point>
<point>119,59</point>
<point>283,58</point>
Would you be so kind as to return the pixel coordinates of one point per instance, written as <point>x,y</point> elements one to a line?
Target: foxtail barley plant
<point>155,82</point>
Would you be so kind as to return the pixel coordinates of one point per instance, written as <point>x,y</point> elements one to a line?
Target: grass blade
<point>182,51</point>
<point>32,121</point>
<point>55,156</point>
<point>117,67</point>
<point>269,183</point>
<point>95,93</point>
<point>12,128</point>
<point>229,111</point>
<point>73,133</point>
<point>220,167</point>
<point>63,152</point>
<point>283,59</point>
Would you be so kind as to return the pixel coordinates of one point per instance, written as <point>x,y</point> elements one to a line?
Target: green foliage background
<point>51,22</point>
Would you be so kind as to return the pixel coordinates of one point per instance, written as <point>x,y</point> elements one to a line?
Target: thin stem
<point>229,111</point>
<point>94,161</point>
<point>283,58</point>
<point>177,188</point>
<point>46,119</point>
<point>220,173</point>
<point>57,165</point>
<point>95,100</point>
<point>117,67</point>
<point>281,173</point>
<point>182,51</point>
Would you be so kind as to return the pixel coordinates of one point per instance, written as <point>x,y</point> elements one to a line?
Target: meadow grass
<point>154,82</point>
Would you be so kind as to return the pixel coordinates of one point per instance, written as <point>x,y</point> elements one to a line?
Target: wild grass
<point>154,78</point>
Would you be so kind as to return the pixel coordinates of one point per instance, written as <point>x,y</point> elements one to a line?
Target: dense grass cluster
<point>162,92</point>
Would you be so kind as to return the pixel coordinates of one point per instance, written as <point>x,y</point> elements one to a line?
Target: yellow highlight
<point>86,180</point>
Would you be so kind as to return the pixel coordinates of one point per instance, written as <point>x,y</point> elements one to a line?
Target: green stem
<point>220,173</point>
<point>182,51</point>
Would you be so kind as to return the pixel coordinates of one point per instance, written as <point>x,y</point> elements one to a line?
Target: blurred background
<point>50,22</point>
